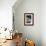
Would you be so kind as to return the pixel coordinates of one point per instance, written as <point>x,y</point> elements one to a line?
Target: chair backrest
<point>18,39</point>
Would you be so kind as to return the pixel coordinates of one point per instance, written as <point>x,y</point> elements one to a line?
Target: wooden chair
<point>29,43</point>
<point>18,39</point>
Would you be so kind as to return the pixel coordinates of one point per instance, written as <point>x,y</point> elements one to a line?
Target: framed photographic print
<point>28,19</point>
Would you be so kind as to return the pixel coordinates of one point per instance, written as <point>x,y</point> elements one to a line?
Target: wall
<point>29,32</point>
<point>6,13</point>
<point>43,22</point>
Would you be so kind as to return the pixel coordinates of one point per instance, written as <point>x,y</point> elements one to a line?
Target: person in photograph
<point>28,19</point>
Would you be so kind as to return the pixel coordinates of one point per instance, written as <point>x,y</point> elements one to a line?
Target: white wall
<point>6,13</point>
<point>43,22</point>
<point>30,32</point>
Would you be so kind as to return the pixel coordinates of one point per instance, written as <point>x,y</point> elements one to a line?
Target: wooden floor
<point>9,43</point>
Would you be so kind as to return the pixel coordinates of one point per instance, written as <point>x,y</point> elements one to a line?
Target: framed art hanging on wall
<point>28,19</point>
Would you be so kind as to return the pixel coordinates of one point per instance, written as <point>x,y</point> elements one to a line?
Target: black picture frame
<point>28,19</point>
